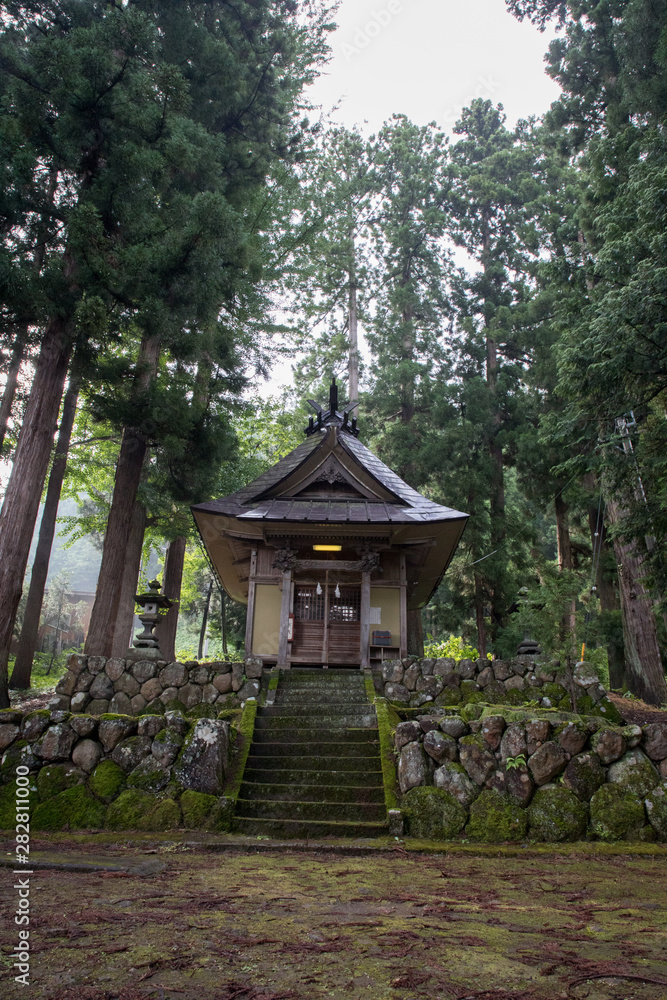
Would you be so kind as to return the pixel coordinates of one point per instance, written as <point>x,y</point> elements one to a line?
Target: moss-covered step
<point>327,714</point>
<point>290,829</point>
<point>269,733</point>
<point>342,748</point>
<point>353,812</point>
<point>312,793</point>
<point>298,762</point>
<point>313,776</point>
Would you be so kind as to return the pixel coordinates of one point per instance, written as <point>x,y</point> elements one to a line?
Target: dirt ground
<point>188,923</point>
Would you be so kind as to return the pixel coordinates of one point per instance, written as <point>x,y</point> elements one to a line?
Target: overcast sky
<point>428,58</point>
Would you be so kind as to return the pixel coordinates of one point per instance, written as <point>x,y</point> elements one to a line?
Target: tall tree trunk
<point>415,633</point>
<point>202,632</point>
<point>9,392</point>
<point>223,621</point>
<point>607,592</point>
<point>497,484</point>
<point>644,674</point>
<point>122,638</point>
<point>26,481</point>
<point>171,588</point>
<point>21,341</point>
<point>565,564</point>
<point>47,529</point>
<point>102,628</point>
<point>480,602</point>
<point>353,358</point>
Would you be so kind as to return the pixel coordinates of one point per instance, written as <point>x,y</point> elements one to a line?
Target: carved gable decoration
<point>329,481</point>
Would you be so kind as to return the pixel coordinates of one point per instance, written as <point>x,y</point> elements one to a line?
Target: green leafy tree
<point>160,122</point>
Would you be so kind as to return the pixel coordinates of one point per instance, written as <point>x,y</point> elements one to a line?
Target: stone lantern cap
<point>153,596</point>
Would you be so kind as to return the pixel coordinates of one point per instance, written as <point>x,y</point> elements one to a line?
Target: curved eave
<point>440,535</point>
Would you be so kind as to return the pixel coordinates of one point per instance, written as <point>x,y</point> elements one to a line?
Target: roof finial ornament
<point>333,416</point>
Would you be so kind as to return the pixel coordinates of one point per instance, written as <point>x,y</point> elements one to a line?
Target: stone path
<point>314,766</point>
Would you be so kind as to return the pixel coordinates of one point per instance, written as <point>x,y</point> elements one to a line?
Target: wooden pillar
<point>285,606</point>
<point>365,621</point>
<point>325,630</point>
<point>403,608</point>
<point>250,618</point>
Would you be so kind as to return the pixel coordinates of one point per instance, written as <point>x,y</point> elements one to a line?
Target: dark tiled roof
<point>410,507</point>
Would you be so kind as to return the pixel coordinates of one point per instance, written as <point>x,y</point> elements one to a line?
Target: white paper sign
<point>376,616</point>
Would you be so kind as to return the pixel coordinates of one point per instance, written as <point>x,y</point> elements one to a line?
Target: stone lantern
<point>153,606</point>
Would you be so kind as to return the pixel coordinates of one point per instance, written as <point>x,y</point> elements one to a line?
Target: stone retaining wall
<point>449,682</point>
<point>509,775</point>
<point>95,684</point>
<point>152,773</point>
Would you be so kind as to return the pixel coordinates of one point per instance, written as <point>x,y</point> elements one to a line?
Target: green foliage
<point>513,763</point>
<point>454,647</point>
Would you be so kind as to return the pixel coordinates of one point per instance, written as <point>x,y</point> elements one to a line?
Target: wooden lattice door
<point>326,625</point>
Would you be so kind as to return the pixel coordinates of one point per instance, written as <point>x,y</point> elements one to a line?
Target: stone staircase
<point>314,765</point>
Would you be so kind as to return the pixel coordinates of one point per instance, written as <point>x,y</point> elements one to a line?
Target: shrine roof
<point>254,502</point>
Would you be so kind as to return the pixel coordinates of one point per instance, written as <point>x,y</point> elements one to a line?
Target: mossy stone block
<point>19,752</point>
<point>149,775</point>
<point>470,712</point>
<point>555,692</point>
<point>130,811</point>
<point>107,780</point>
<point>175,706</point>
<point>197,808</point>
<point>165,816</point>
<point>585,705</point>
<point>606,709</point>
<point>8,803</point>
<point>56,778</point>
<point>476,698</point>
<point>556,814</point>
<point>449,696</point>
<point>656,809</point>
<point>516,697</point>
<point>468,688</point>
<point>203,711</point>
<point>494,818</point>
<point>433,814</point>
<point>634,772</point>
<point>74,808</point>
<point>616,813</point>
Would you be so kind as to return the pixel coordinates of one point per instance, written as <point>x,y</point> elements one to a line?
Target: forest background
<point>176,220</point>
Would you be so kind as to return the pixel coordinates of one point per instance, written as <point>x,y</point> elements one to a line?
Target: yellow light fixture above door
<point>327,548</point>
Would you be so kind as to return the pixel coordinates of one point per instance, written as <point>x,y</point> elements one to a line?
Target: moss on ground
<point>468,921</point>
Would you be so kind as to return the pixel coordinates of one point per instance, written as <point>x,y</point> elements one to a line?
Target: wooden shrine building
<point>327,548</point>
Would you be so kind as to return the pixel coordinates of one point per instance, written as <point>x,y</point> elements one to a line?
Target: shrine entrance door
<point>327,627</point>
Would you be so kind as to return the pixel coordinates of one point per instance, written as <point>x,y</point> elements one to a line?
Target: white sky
<point>428,59</point>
